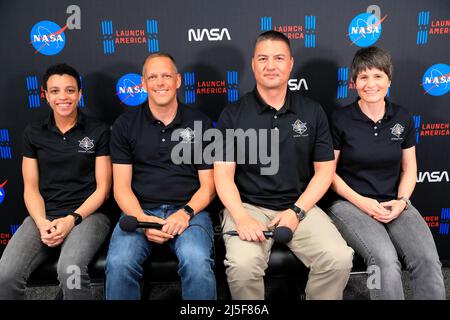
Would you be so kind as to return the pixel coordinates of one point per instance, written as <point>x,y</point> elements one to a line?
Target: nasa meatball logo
<point>365,29</point>
<point>48,38</point>
<point>436,80</point>
<point>2,191</point>
<point>130,91</point>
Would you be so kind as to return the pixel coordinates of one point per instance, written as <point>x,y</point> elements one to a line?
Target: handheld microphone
<point>279,234</point>
<point>130,224</point>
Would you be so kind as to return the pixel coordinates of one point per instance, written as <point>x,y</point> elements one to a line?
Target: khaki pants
<point>316,242</point>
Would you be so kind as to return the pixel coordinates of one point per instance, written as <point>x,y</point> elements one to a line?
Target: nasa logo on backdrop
<point>49,38</point>
<point>194,87</point>
<point>436,80</point>
<point>130,91</point>
<point>2,191</point>
<point>365,28</point>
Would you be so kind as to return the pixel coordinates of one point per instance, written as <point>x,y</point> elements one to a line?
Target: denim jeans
<point>129,251</point>
<point>25,252</point>
<point>407,238</point>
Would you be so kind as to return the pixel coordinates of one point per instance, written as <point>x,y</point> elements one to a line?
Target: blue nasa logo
<point>436,80</point>
<point>2,191</point>
<point>48,38</point>
<point>365,29</point>
<point>130,91</point>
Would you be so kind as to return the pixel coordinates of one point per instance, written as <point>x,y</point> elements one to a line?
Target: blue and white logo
<point>365,29</point>
<point>436,80</point>
<point>2,191</point>
<point>130,91</point>
<point>47,38</point>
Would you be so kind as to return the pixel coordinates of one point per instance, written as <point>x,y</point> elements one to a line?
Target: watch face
<point>189,210</point>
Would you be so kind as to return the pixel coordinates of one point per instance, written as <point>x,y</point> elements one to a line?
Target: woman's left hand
<point>395,207</point>
<point>61,228</point>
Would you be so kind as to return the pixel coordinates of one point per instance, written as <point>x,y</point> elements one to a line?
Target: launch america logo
<point>295,31</point>
<point>439,223</point>
<point>430,129</point>
<point>194,87</point>
<point>130,91</point>
<point>426,29</point>
<point>5,149</point>
<point>145,35</point>
<point>436,80</point>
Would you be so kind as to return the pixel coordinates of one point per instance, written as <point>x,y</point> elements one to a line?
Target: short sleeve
<point>28,149</point>
<point>336,132</point>
<point>227,127</point>
<point>323,147</point>
<point>410,136</point>
<point>207,125</point>
<point>119,145</point>
<point>103,142</point>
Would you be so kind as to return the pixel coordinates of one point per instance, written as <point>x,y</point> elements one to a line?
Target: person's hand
<point>396,207</point>
<point>286,218</point>
<point>59,229</point>
<point>46,231</point>
<point>155,235</point>
<point>250,229</point>
<point>372,207</point>
<point>176,223</point>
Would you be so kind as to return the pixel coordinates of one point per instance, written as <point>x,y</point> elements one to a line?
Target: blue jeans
<point>25,252</point>
<point>129,251</point>
<point>407,237</point>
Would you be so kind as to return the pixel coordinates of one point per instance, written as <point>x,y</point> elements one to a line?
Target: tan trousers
<point>316,242</point>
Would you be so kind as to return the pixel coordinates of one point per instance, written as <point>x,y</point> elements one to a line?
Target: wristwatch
<point>299,212</point>
<point>189,211</point>
<point>78,218</point>
<point>407,201</point>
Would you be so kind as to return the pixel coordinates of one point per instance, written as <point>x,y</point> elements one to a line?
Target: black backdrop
<point>212,42</point>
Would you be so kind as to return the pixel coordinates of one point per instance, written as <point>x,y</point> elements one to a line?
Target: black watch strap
<point>188,210</point>
<point>78,218</point>
<point>299,212</point>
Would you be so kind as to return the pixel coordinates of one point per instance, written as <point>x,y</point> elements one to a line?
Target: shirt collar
<point>49,123</point>
<point>262,105</point>
<point>357,113</point>
<point>175,122</point>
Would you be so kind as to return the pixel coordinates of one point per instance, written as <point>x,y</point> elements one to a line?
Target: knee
<point>71,269</point>
<point>195,260</point>
<point>245,267</point>
<point>387,261</point>
<point>121,264</point>
<point>335,258</point>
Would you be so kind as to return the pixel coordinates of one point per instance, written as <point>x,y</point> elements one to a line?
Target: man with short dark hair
<point>255,202</point>
<point>151,187</point>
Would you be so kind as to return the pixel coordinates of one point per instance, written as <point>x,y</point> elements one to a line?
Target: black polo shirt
<point>66,161</point>
<point>371,152</point>
<point>304,138</point>
<point>145,142</point>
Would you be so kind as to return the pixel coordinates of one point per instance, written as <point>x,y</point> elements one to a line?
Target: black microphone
<point>279,234</point>
<point>130,224</point>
